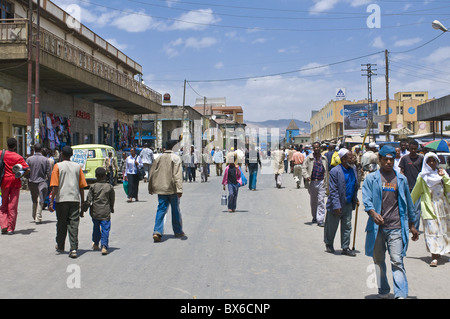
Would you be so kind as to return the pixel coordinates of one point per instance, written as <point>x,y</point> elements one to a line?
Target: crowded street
<point>268,248</point>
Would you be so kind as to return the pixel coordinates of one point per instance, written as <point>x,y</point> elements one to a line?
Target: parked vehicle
<point>443,156</point>
<point>91,156</point>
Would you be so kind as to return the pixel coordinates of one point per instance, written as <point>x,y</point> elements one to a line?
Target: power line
<point>250,28</point>
<point>289,72</point>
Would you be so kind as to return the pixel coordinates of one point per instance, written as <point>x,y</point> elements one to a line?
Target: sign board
<point>356,118</point>
<point>166,98</point>
<point>340,93</point>
<point>80,156</point>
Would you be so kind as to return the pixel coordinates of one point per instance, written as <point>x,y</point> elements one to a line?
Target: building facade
<point>73,88</point>
<point>328,123</point>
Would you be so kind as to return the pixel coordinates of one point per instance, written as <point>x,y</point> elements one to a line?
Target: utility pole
<point>369,73</point>
<point>37,80</point>
<point>30,76</point>
<point>387,126</point>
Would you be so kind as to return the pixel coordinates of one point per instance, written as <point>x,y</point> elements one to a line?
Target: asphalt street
<point>267,249</point>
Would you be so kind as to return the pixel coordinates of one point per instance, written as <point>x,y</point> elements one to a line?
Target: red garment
<point>8,211</point>
<point>9,179</point>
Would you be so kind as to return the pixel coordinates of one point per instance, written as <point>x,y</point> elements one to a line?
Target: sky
<point>278,59</point>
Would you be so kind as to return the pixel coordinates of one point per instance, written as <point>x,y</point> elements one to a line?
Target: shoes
<point>179,235</point>
<point>314,221</point>
<point>348,252</point>
<point>329,249</point>
<point>95,246</point>
<point>434,263</point>
<point>4,231</point>
<point>104,250</point>
<point>383,296</point>
<point>73,254</point>
<point>156,238</point>
<point>59,251</point>
<point>322,224</point>
<point>10,232</point>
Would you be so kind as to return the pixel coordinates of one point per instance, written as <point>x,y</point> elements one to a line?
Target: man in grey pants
<point>40,172</point>
<point>315,172</point>
<point>341,202</point>
<point>67,183</point>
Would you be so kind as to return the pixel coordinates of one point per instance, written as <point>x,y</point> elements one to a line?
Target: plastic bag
<point>125,187</point>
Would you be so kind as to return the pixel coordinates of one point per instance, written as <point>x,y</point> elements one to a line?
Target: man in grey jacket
<point>341,202</point>
<point>166,180</point>
<point>40,173</point>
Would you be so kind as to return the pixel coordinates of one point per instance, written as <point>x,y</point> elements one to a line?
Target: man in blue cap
<point>387,201</point>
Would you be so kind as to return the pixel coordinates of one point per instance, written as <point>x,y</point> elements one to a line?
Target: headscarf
<point>430,176</point>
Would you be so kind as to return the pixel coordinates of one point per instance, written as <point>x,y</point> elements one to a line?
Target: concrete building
<point>176,121</point>
<point>88,90</point>
<point>328,123</point>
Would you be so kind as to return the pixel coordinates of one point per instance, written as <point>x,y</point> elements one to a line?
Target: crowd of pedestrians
<point>399,187</point>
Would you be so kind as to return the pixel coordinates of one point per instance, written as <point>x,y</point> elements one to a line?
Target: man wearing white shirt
<point>147,160</point>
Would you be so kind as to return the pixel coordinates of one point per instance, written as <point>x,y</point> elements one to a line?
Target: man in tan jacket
<point>315,172</point>
<point>166,180</point>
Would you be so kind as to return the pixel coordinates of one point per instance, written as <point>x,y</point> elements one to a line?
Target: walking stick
<point>356,220</point>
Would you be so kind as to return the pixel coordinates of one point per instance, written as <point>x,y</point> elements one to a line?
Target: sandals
<point>434,263</point>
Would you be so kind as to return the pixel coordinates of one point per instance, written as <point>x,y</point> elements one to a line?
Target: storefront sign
<point>83,115</point>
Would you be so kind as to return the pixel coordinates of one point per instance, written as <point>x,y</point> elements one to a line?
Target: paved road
<point>267,249</point>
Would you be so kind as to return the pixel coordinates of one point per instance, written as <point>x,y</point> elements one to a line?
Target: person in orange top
<point>10,186</point>
<point>298,158</point>
<point>67,183</point>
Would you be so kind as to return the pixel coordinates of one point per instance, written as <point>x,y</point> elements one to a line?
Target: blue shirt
<point>350,181</point>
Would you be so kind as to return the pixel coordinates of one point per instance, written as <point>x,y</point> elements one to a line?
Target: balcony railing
<point>15,31</point>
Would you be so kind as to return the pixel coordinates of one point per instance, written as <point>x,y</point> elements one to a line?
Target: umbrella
<point>438,145</point>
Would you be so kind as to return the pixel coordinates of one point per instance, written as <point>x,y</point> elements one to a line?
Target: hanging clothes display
<point>54,131</point>
<point>124,135</point>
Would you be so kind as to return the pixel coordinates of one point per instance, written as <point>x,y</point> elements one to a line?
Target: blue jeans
<point>100,232</point>
<point>390,240</point>
<point>233,190</point>
<point>163,205</point>
<point>252,173</point>
<point>418,209</point>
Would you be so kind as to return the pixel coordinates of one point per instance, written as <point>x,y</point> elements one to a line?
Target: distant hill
<point>282,124</point>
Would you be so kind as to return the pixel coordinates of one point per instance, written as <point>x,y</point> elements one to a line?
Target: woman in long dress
<point>432,186</point>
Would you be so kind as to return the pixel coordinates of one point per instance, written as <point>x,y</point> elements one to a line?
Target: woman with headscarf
<point>432,186</point>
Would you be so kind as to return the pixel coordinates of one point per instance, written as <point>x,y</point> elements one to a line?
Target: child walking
<point>100,199</point>
<point>232,178</point>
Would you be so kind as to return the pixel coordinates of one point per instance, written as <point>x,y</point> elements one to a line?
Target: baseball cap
<point>387,151</point>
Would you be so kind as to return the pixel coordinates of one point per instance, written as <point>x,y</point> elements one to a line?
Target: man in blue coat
<point>341,202</point>
<point>392,215</point>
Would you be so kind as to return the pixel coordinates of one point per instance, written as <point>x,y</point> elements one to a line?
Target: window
<point>20,136</point>
<point>420,95</point>
<point>6,10</point>
<point>407,95</point>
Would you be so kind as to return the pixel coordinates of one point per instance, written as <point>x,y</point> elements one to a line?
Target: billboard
<point>356,118</point>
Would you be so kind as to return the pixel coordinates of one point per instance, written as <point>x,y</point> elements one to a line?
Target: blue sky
<point>278,59</point>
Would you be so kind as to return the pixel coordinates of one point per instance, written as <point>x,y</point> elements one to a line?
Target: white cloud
<point>202,43</point>
<point>134,22</point>
<point>407,42</point>
<point>323,5</point>
<point>438,57</point>
<point>118,45</point>
<point>194,20</point>
<point>378,43</point>
<point>219,65</point>
<point>172,49</point>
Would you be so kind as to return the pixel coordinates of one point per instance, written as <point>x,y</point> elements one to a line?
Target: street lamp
<point>439,26</point>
